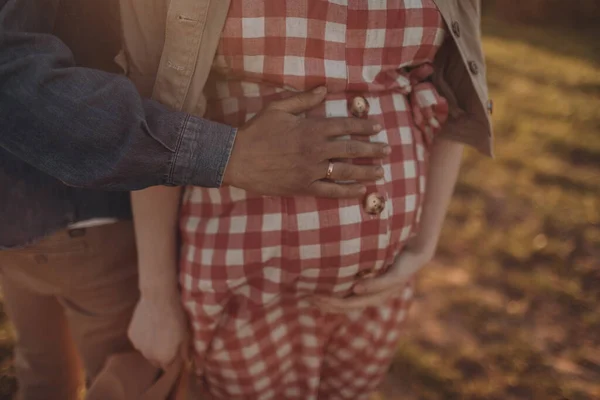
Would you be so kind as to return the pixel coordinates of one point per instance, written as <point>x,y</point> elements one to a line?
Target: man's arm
<point>91,128</point>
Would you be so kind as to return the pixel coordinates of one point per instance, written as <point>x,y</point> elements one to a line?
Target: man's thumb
<point>301,102</point>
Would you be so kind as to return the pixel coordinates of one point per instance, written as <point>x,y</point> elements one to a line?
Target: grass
<point>509,310</point>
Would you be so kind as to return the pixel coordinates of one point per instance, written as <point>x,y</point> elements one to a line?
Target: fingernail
<point>320,90</point>
<point>377,128</point>
<point>434,122</point>
<point>387,150</point>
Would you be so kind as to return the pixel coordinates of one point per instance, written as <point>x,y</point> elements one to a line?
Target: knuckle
<point>370,149</point>
<point>346,172</point>
<point>295,102</point>
<point>307,157</point>
<point>365,126</point>
<point>306,178</point>
<point>330,191</point>
<point>350,125</point>
<point>377,172</point>
<point>334,191</point>
<point>307,129</point>
<point>271,106</point>
<point>352,148</point>
<point>374,150</point>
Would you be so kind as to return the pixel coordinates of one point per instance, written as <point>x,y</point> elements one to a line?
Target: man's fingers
<point>301,102</point>
<point>334,127</point>
<point>355,149</point>
<point>336,190</point>
<point>349,172</point>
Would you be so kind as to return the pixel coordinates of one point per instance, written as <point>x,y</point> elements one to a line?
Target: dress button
<point>374,203</point>
<point>359,107</point>
<point>365,274</point>
<point>473,67</point>
<point>456,29</point>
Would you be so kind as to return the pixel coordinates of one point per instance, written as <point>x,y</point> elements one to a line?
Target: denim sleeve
<point>90,128</point>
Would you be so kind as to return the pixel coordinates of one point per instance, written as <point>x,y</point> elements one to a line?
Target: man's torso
<point>33,204</point>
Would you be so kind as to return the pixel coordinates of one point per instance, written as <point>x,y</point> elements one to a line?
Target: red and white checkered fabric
<point>249,262</point>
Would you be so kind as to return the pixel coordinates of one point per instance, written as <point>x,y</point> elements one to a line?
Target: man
<point>68,268</point>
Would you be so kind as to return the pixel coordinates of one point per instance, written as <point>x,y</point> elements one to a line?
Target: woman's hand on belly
<point>377,291</point>
<point>446,156</point>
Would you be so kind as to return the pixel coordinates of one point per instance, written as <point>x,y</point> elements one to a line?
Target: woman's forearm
<point>445,159</point>
<point>155,212</point>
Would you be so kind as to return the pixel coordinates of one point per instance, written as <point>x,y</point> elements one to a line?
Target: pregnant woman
<point>302,298</point>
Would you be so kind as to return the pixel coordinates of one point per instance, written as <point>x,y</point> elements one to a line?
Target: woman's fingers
<point>421,73</point>
<point>442,110</point>
<point>406,265</point>
<point>378,284</point>
<point>417,114</point>
<point>337,305</point>
<point>430,110</point>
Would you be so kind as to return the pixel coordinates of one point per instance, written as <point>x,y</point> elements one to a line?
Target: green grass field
<point>510,309</point>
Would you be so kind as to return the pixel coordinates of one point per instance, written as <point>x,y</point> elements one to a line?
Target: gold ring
<point>329,170</point>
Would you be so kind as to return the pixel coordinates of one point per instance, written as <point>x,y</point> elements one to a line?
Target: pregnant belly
<point>238,239</point>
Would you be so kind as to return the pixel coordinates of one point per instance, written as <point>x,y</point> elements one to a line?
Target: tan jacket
<point>169,46</point>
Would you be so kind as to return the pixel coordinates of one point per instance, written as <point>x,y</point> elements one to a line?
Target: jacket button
<point>473,67</point>
<point>490,106</point>
<point>365,274</point>
<point>359,106</point>
<point>374,203</point>
<point>456,29</point>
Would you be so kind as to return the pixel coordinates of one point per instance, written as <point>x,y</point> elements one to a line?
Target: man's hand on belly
<point>278,153</point>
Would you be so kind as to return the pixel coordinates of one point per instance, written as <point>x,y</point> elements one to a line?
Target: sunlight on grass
<point>510,308</point>
<point>525,229</point>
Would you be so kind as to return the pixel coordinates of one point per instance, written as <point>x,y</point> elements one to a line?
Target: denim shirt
<point>66,130</point>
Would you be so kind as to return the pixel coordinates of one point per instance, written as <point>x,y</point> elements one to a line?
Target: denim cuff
<point>202,153</point>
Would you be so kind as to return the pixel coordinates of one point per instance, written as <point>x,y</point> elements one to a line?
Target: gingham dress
<point>249,262</point>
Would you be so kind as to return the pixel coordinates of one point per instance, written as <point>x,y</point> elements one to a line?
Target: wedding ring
<point>329,170</point>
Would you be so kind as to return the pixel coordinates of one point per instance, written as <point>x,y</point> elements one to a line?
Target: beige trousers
<point>70,298</point>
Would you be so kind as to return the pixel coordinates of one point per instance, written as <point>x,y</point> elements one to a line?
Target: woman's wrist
<point>158,291</point>
<point>158,282</point>
<point>424,246</point>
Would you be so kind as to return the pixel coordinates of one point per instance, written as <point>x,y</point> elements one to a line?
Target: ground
<point>509,309</point>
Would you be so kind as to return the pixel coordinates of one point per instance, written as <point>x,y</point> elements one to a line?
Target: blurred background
<point>510,309</point>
